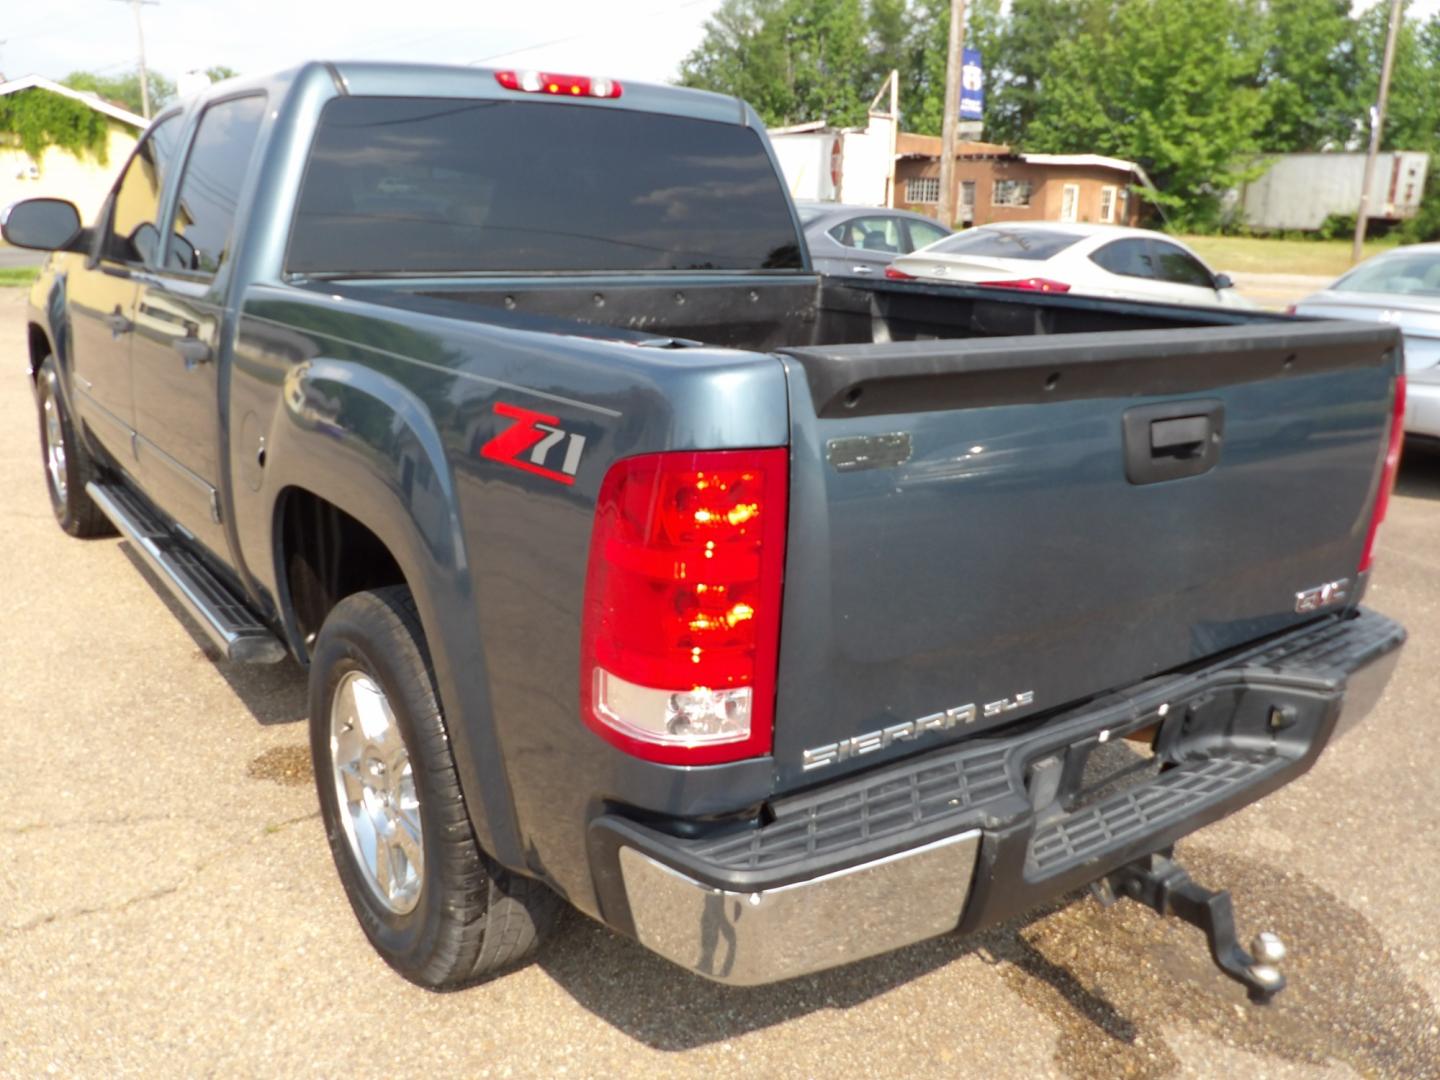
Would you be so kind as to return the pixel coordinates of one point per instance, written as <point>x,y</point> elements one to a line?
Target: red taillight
<point>544,82</point>
<point>681,627</point>
<point>1387,476</point>
<point>1033,284</point>
<point>1290,309</point>
<point>894,273</point>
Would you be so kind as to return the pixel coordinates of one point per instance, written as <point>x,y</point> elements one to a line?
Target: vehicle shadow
<point>1114,984</point>
<point>273,693</point>
<point>667,1008</point>
<point>1419,476</point>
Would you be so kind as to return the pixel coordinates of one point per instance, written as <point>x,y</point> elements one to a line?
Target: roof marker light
<point>545,82</point>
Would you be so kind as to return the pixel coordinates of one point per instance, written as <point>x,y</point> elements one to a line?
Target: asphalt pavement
<point>11,257</point>
<point>168,905</point>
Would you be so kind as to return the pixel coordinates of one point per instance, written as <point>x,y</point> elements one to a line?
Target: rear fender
<point>366,443</point>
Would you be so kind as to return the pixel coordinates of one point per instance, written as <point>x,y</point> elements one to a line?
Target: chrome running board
<point>227,622</point>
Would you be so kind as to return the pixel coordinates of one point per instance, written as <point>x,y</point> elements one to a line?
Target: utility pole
<point>1377,127</point>
<point>136,5</point>
<point>952,113</point>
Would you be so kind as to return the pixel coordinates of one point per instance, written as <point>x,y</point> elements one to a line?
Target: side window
<point>923,235</point>
<point>870,234</point>
<point>133,232</point>
<point>210,186</point>
<point>1179,266</point>
<point>1130,258</point>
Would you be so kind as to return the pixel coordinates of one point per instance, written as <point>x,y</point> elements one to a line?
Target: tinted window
<point>133,229</point>
<point>1130,258</point>
<point>871,234</point>
<point>434,185</point>
<point>1408,275</point>
<point>923,235</point>
<point>1177,265</point>
<point>1001,243</point>
<point>210,188</point>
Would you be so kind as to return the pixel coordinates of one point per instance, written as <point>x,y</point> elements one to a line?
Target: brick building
<point>998,184</point>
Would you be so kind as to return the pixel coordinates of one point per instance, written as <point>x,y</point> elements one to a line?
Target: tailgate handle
<point>1183,437</point>
<point>1172,440</point>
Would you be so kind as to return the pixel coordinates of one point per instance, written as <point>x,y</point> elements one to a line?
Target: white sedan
<point>1093,260</point>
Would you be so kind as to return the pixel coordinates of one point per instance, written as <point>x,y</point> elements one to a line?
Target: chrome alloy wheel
<point>375,789</point>
<point>55,448</point>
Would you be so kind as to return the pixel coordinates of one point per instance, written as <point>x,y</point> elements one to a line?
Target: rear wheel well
<point>325,556</point>
<point>39,349</point>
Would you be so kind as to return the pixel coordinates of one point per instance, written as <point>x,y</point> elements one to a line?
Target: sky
<point>636,39</point>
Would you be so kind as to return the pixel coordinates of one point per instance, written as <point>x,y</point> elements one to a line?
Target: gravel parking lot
<point>168,905</point>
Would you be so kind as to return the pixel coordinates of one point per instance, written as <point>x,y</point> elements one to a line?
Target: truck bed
<point>978,517</point>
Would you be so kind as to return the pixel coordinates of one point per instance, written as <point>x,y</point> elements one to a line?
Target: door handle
<point>118,323</point>
<point>193,351</point>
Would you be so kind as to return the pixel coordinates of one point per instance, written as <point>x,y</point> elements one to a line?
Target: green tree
<point>1172,84</point>
<point>1412,115</point>
<point>124,89</point>
<point>793,60</point>
<point>1310,75</point>
<point>219,73</point>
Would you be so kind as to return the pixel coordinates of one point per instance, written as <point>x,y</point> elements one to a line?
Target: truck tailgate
<point>985,530</point>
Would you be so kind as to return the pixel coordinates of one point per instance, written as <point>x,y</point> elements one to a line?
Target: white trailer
<point>1299,191</point>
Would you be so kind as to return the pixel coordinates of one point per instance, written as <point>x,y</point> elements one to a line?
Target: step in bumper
<point>981,832</point>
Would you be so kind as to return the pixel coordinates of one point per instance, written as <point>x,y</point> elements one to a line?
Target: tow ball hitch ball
<point>1162,885</point>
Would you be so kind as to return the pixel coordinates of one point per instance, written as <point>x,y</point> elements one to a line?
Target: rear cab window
<point>421,186</point>
<point>999,243</point>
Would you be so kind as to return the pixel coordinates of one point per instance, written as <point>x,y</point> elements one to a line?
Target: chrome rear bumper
<point>750,938</point>
<point>982,831</point>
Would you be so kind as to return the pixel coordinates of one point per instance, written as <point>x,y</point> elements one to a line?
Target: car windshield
<point>996,243</point>
<point>1408,275</point>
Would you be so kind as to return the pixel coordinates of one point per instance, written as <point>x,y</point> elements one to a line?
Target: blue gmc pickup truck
<point>772,619</point>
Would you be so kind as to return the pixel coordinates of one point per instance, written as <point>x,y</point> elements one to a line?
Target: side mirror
<point>42,224</point>
<point>1224,281</point>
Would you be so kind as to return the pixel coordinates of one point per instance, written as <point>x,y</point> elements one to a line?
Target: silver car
<point>1400,287</point>
<point>863,239</point>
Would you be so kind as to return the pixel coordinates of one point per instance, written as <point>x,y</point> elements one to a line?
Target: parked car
<point>1402,288</point>
<point>770,618</point>
<point>863,239</point>
<point>1092,260</point>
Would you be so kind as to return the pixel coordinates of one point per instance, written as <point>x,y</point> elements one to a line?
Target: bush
<point>1336,227</point>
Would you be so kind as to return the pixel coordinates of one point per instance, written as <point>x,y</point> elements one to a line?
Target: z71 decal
<point>533,440</point>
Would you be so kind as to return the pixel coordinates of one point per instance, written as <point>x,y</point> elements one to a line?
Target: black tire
<point>472,917</point>
<point>74,509</point>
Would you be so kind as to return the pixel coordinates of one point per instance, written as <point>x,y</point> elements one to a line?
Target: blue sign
<point>972,86</point>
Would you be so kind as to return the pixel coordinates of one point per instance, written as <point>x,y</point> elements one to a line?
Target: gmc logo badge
<point>534,440</point>
<point>1322,596</point>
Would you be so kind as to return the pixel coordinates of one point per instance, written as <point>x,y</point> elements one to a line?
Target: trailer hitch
<point>1162,885</point>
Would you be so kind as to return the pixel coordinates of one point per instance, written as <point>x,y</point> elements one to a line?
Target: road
<point>168,905</point>
<point>13,258</point>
